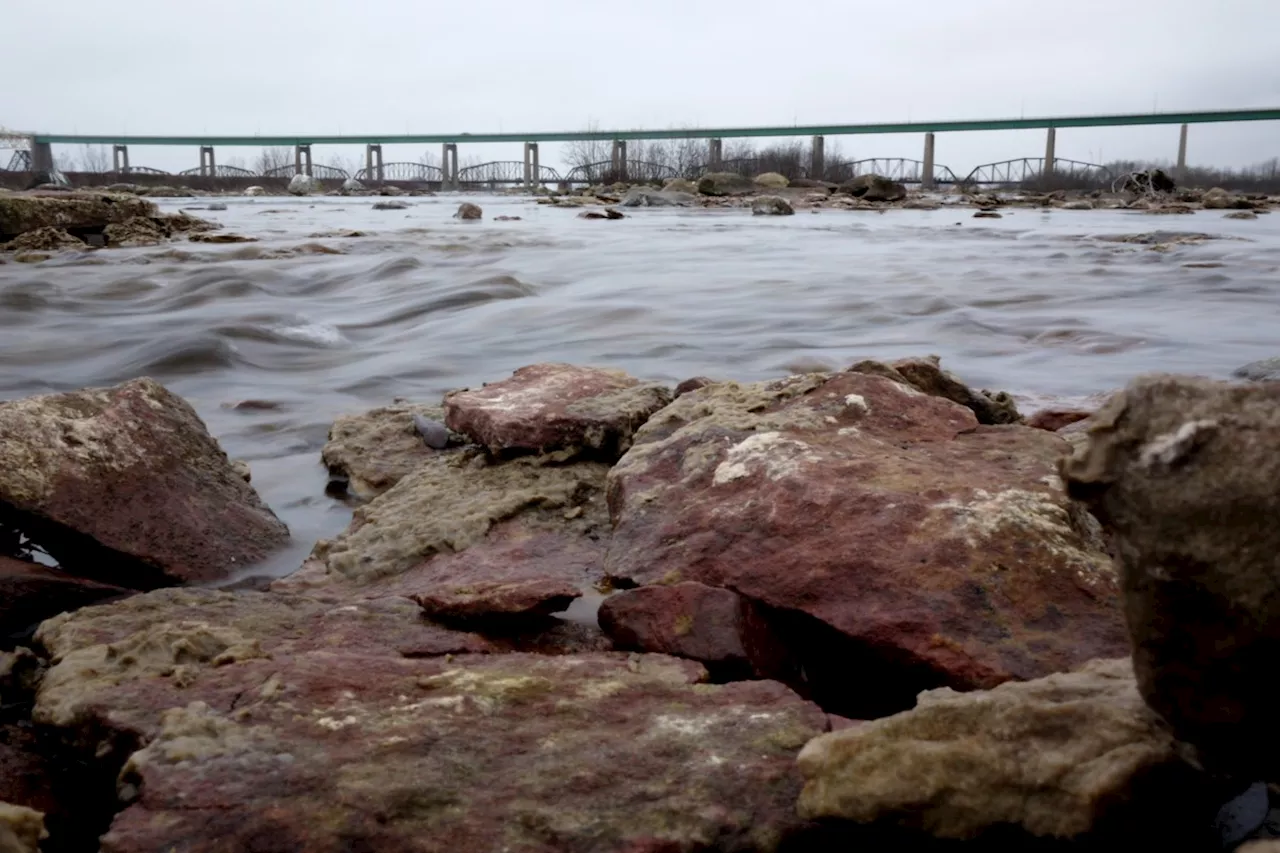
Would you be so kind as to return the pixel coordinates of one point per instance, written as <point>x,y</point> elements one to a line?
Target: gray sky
<point>396,66</point>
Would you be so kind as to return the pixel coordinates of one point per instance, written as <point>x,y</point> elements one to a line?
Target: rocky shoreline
<point>872,606</point>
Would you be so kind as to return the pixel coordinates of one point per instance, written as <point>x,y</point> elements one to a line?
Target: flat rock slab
<point>125,484</point>
<point>1184,475</point>
<point>350,745</point>
<point>31,593</point>
<point>886,515</point>
<point>374,450</point>
<point>550,407</point>
<point>75,212</point>
<point>469,536</point>
<point>1054,757</point>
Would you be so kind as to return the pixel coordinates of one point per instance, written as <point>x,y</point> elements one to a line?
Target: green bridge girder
<point>683,133</point>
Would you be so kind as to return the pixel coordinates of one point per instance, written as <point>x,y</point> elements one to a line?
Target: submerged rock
<point>390,205</point>
<point>770,205</point>
<point>889,533</point>
<point>469,211</point>
<point>125,484</point>
<point>1061,756</point>
<point>221,238</point>
<point>73,212</point>
<point>552,407</point>
<point>1183,474</point>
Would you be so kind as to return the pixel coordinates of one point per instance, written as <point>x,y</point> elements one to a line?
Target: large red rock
<point>709,624</point>
<point>890,526</point>
<point>31,593</point>
<point>315,734</point>
<point>553,407</point>
<point>125,484</point>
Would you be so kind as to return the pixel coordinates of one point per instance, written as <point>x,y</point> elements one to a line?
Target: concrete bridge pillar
<point>302,159</point>
<point>818,158</point>
<point>1181,173</point>
<point>373,162</point>
<point>532,171</point>
<point>120,159</point>
<point>926,179</point>
<point>207,166</point>
<point>715,156</point>
<point>1050,140</point>
<point>449,166</point>
<point>619,159</point>
<point>41,156</point>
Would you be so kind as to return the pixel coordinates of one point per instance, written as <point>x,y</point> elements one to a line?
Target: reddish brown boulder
<point>31,593</point>
<point>282,725</point>
<point>26,776</point>
<point>715,626</point>
<point>893,528</point>
<point>549,407</point>
<point>693,383</point>
<point>927,376</point>
<point>1055,419</point>
<point>125,484</point>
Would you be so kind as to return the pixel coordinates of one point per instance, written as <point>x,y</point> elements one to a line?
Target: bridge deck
<point>688,133</point>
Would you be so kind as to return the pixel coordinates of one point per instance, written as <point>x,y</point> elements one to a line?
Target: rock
<point>390,189</point>
<point>725,183</point>
<point>680,185</point>
<point>715,626</point>
<point>372,451</point>
<point>217,205</point>
<point>812,183</point>
<point>167,192</point>
<point>481,753</point>
<point>988,214</point>
<point>32,257</point>
<point>469,211</point>
<point>649,197</point>
<point>255,191</point>
<point>607,213</point>
<point>1266,370</point>
<point>26,776</point>
<point>391,205</point>
<point>74,212</point>
<point>221,238</point>
<point>21,829</point>
<point>461,520</point>
<point>20,674</point>
<point>124,484</point>
<point>1219,199</point>
<point>304,185</point>
<point>1241,214</point>
<point>1182,474</point>
<point>351,185</point>
<point>31,593</point>
<point>771,180</point>
<point>433,432</point>
<point>1055,419</point>
<point>551,407</point>
<point>693,384</point>
<point>770,205</point>
<point>887,532</point>
<point>1079,204</point>
<point>506,219</point>
<point>920,204</point>
<point>874,188</point>
<point>138,231</point>
<point>1059,757</point>
<point>242,470</point>
<point>47,239</point>
<point>926,375</point>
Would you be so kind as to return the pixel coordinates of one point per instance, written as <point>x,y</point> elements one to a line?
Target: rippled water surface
<point>320,324</point>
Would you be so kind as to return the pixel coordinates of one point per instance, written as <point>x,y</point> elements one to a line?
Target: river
<point>1037,303</point>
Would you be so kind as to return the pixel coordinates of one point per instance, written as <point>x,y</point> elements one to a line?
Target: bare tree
<point>94,158</point>
<point>273,158</point>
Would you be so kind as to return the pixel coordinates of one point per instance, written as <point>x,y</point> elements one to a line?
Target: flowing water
<point>318,324</point>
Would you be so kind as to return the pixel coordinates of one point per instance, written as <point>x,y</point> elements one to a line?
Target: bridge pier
<point>41,156</point>
<point>207,166</point>
<point>818,158</point>
<point>715,156</point>
<point>302,160</point>
<point>120,159</point>
<point>532,171</point>
<point>619,159</point>
<point>1046,172</point>
<point>449,166</point>
<point>372,156</point>
<point>926,179</point>
<point>1181,172</point>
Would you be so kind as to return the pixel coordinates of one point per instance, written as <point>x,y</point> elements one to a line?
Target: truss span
<point>1030,170</point>
<point>504,172</point>
<point>222,172</point>
<point>606,172</point>
<point>318,170</point>
<point>402,172</point>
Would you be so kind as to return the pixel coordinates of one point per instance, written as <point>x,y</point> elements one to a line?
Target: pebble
<point>434,433</point>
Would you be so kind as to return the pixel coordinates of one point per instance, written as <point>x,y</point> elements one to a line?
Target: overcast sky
<point>397,66</point>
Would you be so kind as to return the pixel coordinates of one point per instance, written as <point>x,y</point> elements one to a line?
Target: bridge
<point>39,145</point>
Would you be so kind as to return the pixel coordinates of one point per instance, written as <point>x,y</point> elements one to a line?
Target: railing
<point>504,172</point>
<point>402,172</point>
